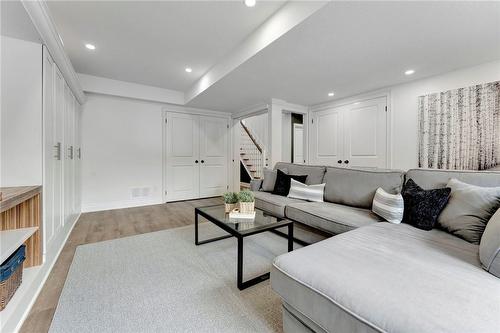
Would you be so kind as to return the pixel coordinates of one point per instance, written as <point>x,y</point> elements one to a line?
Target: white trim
<point>189,110</point>
<point>351,99</point>
<point>40,16</point>
<point>96,207</point>
<point>251,111</point>
<point>102,85</point>
<point>290,107</point>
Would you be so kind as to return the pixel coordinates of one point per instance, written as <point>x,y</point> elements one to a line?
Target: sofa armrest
<point>255,184</point>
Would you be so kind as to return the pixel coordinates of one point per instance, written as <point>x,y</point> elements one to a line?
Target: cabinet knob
<point>339,161</point>
<point>202,161</point>
<point>346,161</point>
<point>196,161</point>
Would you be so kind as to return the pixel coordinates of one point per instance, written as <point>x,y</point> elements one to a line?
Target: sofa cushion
<point>284,181</point>
<point>469,209</point>
<point>392,278</point>
<point>273,204</point>
<point>489,248</point>
<point>432,178</point>
<point>314,173</point>
<point>330,217</point>
<point>270,179</point>
<point>354,187</point>
<point>422,207</point>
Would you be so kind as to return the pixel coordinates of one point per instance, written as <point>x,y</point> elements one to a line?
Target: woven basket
<point>9,286</point>
<point>229,207</point>
<point>247,207</point>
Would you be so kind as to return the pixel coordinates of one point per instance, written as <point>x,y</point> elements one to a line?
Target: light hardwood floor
<point>101,226</point>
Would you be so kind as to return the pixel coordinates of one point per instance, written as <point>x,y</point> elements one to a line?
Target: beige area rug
<point>162,282</point>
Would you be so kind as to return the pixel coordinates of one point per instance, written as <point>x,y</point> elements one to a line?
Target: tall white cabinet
<point>351,135</point>
<point>61,155</point>
<point>196,156</point>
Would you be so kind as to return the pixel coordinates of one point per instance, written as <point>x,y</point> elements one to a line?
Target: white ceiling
<point>16,23</point>
<point>345,47</point>
<point>151,42</point>
<point>353,47</point>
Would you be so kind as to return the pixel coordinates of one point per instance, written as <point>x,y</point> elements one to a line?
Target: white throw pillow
<point>388,206</point>
<point>302,191</point>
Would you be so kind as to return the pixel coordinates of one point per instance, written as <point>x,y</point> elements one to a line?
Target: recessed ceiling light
<point>188,69</point>
<point>90,46</point>
<point>409,72</point>
<point>250,3</point>
<point>331,94</point>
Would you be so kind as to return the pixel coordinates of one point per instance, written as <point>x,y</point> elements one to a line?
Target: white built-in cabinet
<point>351,135</point>
<point>196,156</point>
<point>61,155</point>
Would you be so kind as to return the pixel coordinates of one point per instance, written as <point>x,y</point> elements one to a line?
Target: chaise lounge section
<point>374,276</point>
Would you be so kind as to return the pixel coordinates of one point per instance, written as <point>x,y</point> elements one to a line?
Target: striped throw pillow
<point>302,191</point>
<point>388,206</point>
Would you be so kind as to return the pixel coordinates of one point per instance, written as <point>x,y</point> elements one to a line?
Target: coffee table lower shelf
<point>240,237</point>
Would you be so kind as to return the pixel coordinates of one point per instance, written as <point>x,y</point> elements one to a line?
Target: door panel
<point>50,153</point>
<point>298,144</point>
<point>182,152</point>
<point>366,134</point>
<point>327,137</point>
<point>59,141</point>
<point>213,156</point>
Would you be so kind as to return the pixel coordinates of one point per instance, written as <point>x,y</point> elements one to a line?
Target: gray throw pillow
<point>489,248</point>
<point>469,209</point>
<point>270,179</point>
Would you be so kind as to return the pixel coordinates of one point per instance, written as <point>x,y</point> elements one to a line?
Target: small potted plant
<point>247,201</point>
<point>230,201</point>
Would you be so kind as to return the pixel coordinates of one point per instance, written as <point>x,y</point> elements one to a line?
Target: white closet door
<point>298,144</point>
<point>182,156</point>
<point>59,142</point>
<point>366,134</point>
<point>213,156</point>
<point>50,149</point>
<point>68,165</point>
<point>327,135</point>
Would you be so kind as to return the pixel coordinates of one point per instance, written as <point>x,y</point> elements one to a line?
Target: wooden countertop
<point>13,196</point>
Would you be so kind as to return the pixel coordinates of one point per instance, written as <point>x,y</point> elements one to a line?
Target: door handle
<point>202,161</point>
<point>70,152</point>
<point>346,161</point>
<point>196,161</point>
<point>339,161</point>
<point>57,147</point>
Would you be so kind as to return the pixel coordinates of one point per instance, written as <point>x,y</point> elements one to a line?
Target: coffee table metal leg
<point>290,237</point>
<point>196,239</point>
<point>243,285</point>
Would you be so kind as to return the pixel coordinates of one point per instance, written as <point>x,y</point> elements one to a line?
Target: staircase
<point>252,154</point>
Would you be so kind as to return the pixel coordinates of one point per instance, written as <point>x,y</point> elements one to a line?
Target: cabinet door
<point>213,156</point>
<point>59,141</point>
<point>182,156</point>
<point>327,135</point>
<point>365,143</point>
<point>68,165</point>
<point>50,148</point>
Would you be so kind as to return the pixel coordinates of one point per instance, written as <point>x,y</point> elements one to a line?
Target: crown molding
<point>42,20</point>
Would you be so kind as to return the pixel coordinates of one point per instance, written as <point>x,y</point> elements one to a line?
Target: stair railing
<point>254,154</point>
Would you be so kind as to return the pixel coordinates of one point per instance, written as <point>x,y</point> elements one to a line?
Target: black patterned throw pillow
<point>422,207</point>
<point>283,181</point>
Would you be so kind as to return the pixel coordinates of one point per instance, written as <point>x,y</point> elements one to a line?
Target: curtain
<point>460,129</point>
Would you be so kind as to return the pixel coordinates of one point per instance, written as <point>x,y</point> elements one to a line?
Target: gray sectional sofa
<point>378,276</point>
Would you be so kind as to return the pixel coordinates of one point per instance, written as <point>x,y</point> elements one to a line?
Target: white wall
<point>121,150</point>
<point>404,106</point>
<point>21,113</point>
<point>286,133</point>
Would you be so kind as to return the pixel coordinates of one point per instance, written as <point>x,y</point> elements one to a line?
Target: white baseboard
<point>99,206</point>
<point>13,316</point>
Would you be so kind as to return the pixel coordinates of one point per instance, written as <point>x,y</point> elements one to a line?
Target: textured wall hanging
<point>460,129</point>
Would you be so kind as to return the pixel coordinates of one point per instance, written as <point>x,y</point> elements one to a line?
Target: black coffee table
<point>261,223</point>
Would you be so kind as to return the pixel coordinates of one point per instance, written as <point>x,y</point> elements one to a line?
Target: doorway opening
<point>253,133</point>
